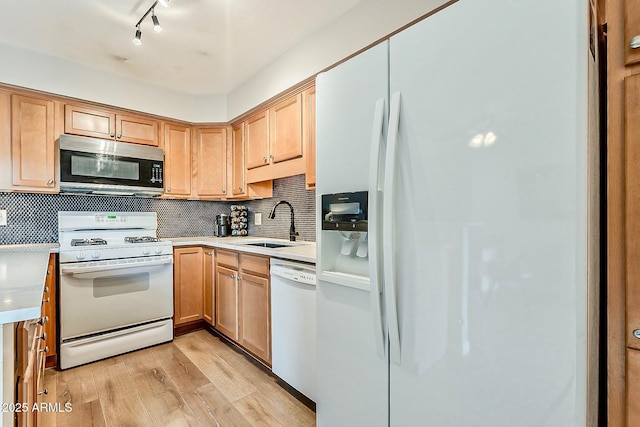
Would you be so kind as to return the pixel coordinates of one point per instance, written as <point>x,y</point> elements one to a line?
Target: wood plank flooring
<point>196,380</point>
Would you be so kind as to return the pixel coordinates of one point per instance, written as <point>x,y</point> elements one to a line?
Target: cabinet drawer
<point>254,264</point>
<point>230,259</point>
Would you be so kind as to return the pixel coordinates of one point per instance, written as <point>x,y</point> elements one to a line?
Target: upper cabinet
<point>177,161</point>
<point>309,135</point>
<point>89,121</point>
<point>210,162</point>
<point>274,143</point>
<point>237,160</point>
<point>27,143</point>
<point>632,31</point>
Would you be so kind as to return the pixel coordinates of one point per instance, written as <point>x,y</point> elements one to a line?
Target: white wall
<point>34,70</point>
<point>368,22</point>
<point>363,25</point>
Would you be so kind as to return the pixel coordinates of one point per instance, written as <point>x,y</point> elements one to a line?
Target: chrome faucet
<point>292,230</point>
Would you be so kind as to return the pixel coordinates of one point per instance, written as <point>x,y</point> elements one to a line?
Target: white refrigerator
<point>474,133</point>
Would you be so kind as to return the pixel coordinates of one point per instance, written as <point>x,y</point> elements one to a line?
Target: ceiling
<point>206,46</point>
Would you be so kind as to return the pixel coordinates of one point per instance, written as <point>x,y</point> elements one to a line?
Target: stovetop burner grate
<point>142,239</point>
<point>88,242</point>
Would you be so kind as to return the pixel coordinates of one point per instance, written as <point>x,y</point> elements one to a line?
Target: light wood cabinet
<point>285,135</point>
<point>273,142</point>
<point>257,140</point>
<point>210,162</point>
<point>632,30</point>
<point>227,301</point>
<point>243,302</point>
<point>105,124</point>
<point>49,312</point>
<point>309,135</point>
<point>33,154</point>
<point>633,387</point>
<point>632,134</point>
<point>237,160</point>
<point>209,286</point>
<point>177,164</point>
<point>188,285</point>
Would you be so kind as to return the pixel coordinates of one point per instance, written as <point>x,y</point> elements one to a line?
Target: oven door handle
<point>79,269</point>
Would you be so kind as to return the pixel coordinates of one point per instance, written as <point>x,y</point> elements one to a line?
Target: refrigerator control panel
<point>345,211</point>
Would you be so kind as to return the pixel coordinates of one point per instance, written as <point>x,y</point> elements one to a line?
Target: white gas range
<point>116,285</point>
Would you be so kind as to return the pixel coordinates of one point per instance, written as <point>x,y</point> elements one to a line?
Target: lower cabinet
<point>243,304</point>
<point>188,285</point>
<point>209,268</point>
<point>49,312</point>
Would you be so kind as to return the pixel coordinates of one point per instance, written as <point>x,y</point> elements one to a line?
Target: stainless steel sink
<point>270,245</point>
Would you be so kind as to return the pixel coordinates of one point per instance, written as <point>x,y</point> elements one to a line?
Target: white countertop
<point>23,272</point>
<point>303,251</point>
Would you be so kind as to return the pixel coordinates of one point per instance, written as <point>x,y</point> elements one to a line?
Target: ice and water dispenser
<point>343,241</point>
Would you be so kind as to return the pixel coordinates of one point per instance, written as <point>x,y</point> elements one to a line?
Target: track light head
<point>137,40</point>
<point>165,3</point>
<point>156,24</point>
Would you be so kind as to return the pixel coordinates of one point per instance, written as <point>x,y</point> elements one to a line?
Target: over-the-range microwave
<point>97,166</point>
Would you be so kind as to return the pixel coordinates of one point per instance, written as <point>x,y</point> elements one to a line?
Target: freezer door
<point>352,386</point>
<point>490,218</point>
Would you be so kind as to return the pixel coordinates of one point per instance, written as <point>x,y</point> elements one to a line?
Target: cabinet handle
<point>43,337</point>
<point>240,188</point>
<point>46,300</point>
<point>112,134</point>
<point>635,42</point>
<point>46,288</point>
<point>45,349</point>
<point>50,182</point>
<point>232,276</point>
<point>41,321</point>
<point>208,253</point>
<point>224,191</point>
<point>271,156</point>
<point>45,391</point>
<point>119,136</point>
<point>265,159</point>
<point>168,189</point>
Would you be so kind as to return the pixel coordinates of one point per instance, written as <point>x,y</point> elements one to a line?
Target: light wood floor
<point>196,380</point>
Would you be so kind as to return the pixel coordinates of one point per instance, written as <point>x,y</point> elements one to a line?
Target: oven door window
<point>118,285</point>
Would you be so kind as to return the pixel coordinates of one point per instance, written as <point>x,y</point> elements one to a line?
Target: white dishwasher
<point>293,324</point>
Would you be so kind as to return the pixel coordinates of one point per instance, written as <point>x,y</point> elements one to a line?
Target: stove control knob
<point>158,251</point>
<point>96,254</point>
<point>81,255</point>
<point>146,251</point>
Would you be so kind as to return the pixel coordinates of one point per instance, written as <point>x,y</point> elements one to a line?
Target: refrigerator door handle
<point>375,195</point>
<point>387,226</point>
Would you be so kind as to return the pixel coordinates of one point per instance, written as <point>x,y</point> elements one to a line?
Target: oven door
<point>93,302</point>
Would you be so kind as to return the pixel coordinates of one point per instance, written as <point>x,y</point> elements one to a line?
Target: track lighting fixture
<point>137,40</point>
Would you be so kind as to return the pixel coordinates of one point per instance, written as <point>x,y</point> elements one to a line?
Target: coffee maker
<point>221,227</point>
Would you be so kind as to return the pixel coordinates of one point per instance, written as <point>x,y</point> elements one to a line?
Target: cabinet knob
<point>232,276</point>
<point>635,42</point>
<point>271,156</point>
<point>46,288</point>
<point>240,188</point>
<point>112,134</point>
<point>45,349</point>
<point>43,337</point>
<point>224,191</point>
<point>50,182</point>
<point>46,300</point>
<point>265,159</point>
<point>168,189</point>
<point>41,321</point>
<point>119,136</point>
<point>45,391</point>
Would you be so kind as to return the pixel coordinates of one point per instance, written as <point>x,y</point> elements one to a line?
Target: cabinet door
<point>632,136</point>
<point>227,302</point>
<point>255,316</point>
<point>257,140</point>
<point>89,122</point>
<point>237,160</point>
<point>309,135</point>
<point>32,142</point>
<point>188,285</point>
<point>209,286</point>
<point>137,130</point>
<point>177,160</point>
<point>631,30</point>
<point>49,311</point>
<point>285,137</point>
<point>210,162</point>
<point>633,387</point>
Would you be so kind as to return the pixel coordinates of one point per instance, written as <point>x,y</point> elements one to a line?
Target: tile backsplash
<point>32,218</point>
